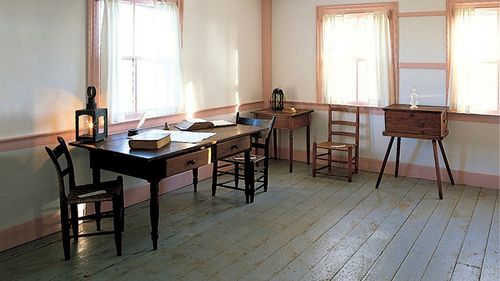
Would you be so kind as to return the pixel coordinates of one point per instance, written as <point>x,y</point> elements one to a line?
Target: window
<point>139,57</point>
<point>357,54</point>
<point>474,56</point>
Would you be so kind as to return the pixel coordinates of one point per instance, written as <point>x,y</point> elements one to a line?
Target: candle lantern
<point>277,99</point>
<point>91,122</point>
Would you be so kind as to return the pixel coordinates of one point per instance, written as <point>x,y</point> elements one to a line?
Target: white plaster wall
<point>222,53</point>
<point>42,54</point>
<point>471,147</point>
<point>42,78</point>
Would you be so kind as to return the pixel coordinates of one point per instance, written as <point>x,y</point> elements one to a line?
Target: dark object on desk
<point>277,101</point>
<point>288,121</point>
<point>426,122</point>
<point>132,132</point>
<point>154,139</point>
<point>91,123</point>
<point>235,163</point>
<point>338,122</point>
<point>73,195</point>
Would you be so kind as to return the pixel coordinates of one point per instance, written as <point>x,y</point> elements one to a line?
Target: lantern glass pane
<point>85,125</point>
<point>100,125</point>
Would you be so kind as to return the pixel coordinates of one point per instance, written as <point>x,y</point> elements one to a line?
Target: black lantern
<point>277,99</point>
<point>91,122</point>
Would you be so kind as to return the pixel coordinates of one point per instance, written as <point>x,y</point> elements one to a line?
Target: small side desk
<point>289,121</point>
<point>425,122</point>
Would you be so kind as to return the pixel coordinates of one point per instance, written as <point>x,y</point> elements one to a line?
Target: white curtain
<point>140,59</point>
<point>357,59</point>
<point>475,52</point>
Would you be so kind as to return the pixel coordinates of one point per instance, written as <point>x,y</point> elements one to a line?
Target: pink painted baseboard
<point>50,223</point>
<point>412,170</point>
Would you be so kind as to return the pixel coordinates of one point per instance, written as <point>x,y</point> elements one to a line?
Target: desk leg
<point>438,173</point>
<point>398,146</point>
<point>195,179</point>
<point>275,143</point>
<point>290,148</point>
<point>308,148</point>
<point>446,162</point>
<point>154,211</point>
<point>385,162</point>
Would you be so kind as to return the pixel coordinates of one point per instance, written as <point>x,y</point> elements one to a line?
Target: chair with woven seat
<point>70,195</point>
<point>259,168</point>
<point>343,138</point>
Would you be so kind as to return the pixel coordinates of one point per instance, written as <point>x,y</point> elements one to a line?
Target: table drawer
<point>188,162</point>
<point>418,123</point>
<point>232,147</point>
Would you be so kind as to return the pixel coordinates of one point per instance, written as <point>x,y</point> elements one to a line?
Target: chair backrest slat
<point>56,155</point>
<point>341,126</point>
<point>268,124</point>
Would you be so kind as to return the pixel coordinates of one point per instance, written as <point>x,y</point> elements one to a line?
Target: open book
<point>199,124</point>
<point>154,139</point>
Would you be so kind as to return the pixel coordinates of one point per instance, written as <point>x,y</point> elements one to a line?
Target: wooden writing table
<point>425,122</point>
<point>113,154</point>
<point>289,121</point>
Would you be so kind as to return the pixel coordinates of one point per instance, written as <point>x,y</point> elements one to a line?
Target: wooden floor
<point>303,228</point>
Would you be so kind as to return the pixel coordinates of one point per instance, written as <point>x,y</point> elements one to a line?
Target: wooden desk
<point>290,122</point>
<point>426,122</point>
<point>113,154</point>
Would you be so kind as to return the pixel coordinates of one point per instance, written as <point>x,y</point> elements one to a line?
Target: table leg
<point>290,148</point>
<point>446,162</point>
<point>154,211</point>
<point>398,146</point>
<point>438,173</point>
<point>385,162</point>
<point>275,143</point>
<point>195,179</point>
<point>308,148</point>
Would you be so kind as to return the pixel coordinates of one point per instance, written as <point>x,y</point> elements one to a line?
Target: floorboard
<point>303,228</point>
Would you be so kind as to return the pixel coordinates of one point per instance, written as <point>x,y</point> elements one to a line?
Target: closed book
<point>154,139</point>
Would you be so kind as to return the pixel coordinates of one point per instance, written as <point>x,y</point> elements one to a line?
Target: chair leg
<point>349,164</point>
<point>315,152</point>
<point>97,206</point>
<point>214,177</point>
<point>236,175</point>
<point>122,206</point>
<point>266,173</point>
<point>65,231</point>
<point>74,220</point>
<point>356,161</point>
<point>117,220</point>
<point>329,160</point>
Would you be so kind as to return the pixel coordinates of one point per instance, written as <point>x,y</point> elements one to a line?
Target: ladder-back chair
<point>343,138</point>
<point>70,195</point>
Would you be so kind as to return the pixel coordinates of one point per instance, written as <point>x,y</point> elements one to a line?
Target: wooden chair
<point>234,165</point>
<point>343,138</point>
<point>82,194</point>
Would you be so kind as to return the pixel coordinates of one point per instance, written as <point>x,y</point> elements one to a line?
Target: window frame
<point>391,8</point>
<point>450,6</point>
<point>93,42</point>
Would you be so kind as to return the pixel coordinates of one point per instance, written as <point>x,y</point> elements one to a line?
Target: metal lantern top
<point>277,99</point>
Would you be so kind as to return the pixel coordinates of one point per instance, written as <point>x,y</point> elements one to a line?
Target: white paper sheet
<point>190,137</point>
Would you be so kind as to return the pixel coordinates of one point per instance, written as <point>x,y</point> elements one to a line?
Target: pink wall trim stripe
<point>422,65</point>
<point>23,142</point>
<point>414,171</point>
<point>50,223</point>
<point>423,14</point>
<point>266,50</point>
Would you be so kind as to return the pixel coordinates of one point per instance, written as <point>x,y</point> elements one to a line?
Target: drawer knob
<point>191,162</point>
<point>235,146</point>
